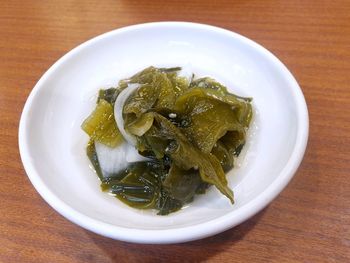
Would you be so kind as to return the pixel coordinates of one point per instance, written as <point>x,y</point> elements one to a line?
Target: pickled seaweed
<point>91,153</point>
<point>101,126</point>
<point>138,186</point>
<point>187,156</point>
<point>190,130</point>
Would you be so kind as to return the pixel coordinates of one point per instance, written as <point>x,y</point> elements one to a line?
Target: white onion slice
<point>118,111</point>
<point>114,160</point>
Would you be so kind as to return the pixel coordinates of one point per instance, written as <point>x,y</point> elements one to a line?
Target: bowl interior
<point>66,94</point>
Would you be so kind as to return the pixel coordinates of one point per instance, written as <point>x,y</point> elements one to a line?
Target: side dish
<point>162,136</point>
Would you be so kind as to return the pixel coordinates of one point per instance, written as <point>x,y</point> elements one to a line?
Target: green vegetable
<point>139,186</point>
<point>190,131</point>
<point>182,184</point>
<point>158,90</point>
<point>91,153</point>
<point>109,95</point>
<point>101,126</point>
<point>187,156</point>
<point>210,120</point>
<point>223,154</point>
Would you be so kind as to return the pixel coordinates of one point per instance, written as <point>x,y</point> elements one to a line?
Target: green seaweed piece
<point>210,119</point>
<point>92,155</point>
<point>110,95</point>
<point>223,154</point>
<point>144,76</point>
<point>209,83</point>
<point>139,186</point>
<point>215,90</point>
<point>101,126</point>
<point>182,184</point>
<point>198,92</point>
<point>141,101</point>
<point>234,141</point>
<point>213,112</point>
<point>187,156</point>
<point>158,90</point>
<point>166,204</point>
<point>166,93</point>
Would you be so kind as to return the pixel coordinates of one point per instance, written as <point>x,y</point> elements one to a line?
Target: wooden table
<point>308,222</point>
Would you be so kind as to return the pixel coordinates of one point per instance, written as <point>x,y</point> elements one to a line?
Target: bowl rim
<point>181,234</point>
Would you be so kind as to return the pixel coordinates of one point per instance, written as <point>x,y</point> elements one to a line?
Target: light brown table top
<point>310,219</point>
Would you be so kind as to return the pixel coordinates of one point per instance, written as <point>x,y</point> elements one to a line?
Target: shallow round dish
<point>52,145</point>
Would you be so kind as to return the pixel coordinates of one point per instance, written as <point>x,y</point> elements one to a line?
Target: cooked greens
<point>189,131</point>
<point>101,126</point>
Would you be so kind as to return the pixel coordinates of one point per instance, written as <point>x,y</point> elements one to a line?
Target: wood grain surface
<point>308,222</point>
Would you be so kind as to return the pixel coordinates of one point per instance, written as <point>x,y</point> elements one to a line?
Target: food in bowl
<point>52,142</point>
<point>163,136</point>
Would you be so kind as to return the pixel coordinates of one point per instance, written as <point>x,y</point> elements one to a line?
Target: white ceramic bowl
<point>52,145</point>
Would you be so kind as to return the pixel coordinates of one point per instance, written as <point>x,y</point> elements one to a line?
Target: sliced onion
<point>142,124</point>
<point>114,160</point>
<point>118,111</point>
